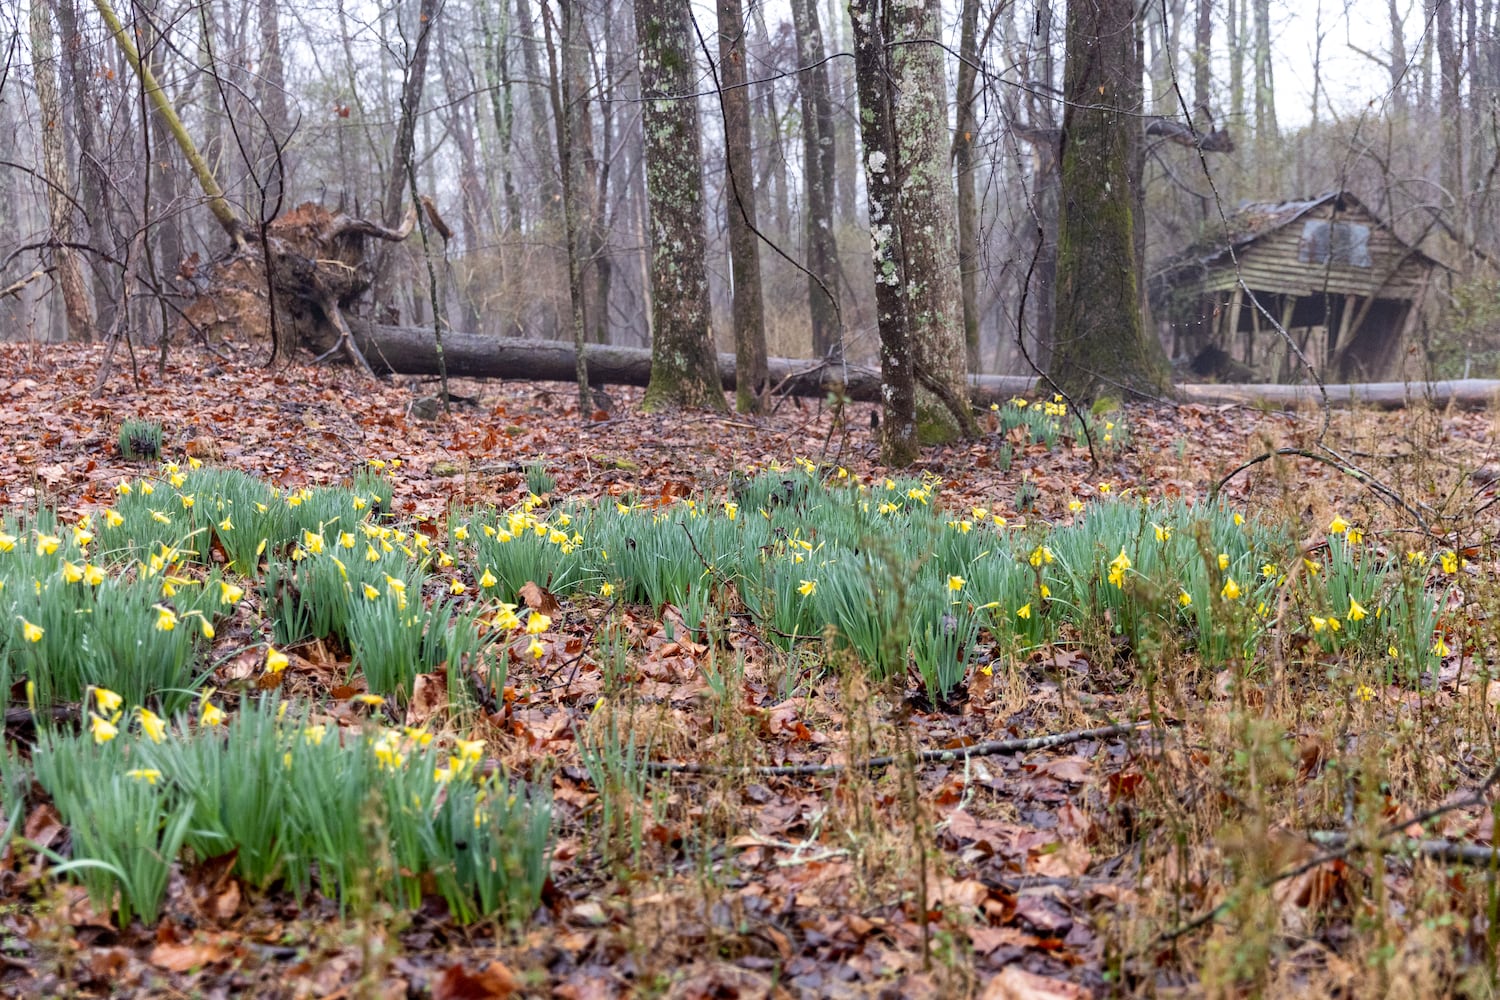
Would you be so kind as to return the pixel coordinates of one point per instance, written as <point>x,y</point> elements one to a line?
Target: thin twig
<point>990,748</point>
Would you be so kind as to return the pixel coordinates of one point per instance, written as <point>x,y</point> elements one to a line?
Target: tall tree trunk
<point>548,184</point>
<point>1203,67</point>
<point>744,244</point>
<point>94,187</point>
<point>1265,88</point>
<point>963,164</point>
<point>683,372</point>
<point>927,215</point>
<point>565,112</point>
<point>1398,67</point>
<point>167,196</point>
<point>68,274</point>
<point>471,187</point>
<point>1234,22</point>
<point>898,440</point>
<point>502,104</point>
<point>404,148</point>
<point>1452,155</point>
<point>773,176</point>
<point>1101,344</point>
<point>271,93</point>
<point>818,168</point>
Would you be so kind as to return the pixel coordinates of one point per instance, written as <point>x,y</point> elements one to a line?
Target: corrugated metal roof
<point>1250,222</point>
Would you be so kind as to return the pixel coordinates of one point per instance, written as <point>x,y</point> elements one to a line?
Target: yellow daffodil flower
<point>113,518</point>
<point>1449,562</point>
<point>1074,506</point>
<point>1356,610</point>
<point>230,593</point>
<point>461,533</point>
<point>1162,532</point>
<point>807,587</point>
<point>955,583</point>
<point>536,649</point>
<point>92,575</point>
<point>606,589</point>
<point>46,544</point>
<point>108,701</point>
<point>1364,692</point>
<point>1338,525</point>
<point>488,580</point>
<point>470,751</point>
<point>1117,567</point>
<point>537,623</point>
<point>149,775</point>
<point>1440,647</point>
<point>102,728</point>
<point>1024,611</point>
<point>1231,590</point>
<point>152,724</point>
<point>212,715</point>
<point>373,700</point>
<point>276,660</point>
<point>1184,598</point>
<point>1223,560</point>
<point>71,572</point>
<point>30,632</point>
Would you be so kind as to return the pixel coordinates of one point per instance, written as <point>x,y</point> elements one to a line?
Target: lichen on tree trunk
<point>1100,343</point>
<point>683,372</point>
<point>928,215</point>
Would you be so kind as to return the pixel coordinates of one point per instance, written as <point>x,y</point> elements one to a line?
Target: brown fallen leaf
<point>494,982</point>
<point>183,956</point>
<point>1015,983</point>
<point>537,598</point>
<point>429,695</point>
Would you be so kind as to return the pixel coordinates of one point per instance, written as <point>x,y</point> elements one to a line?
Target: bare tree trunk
<point>272,100</point>
<point>565,110</point>
<point>744,244</point>
<point>404,148</point>
<point>682,347</point>
<point>94,190</point>
<point>1235,44</point>
<point>818,168</point>
<point>927,217</point>
<point>1203,68</point>
<point>899,446</point>
<point>502,105</point>
<point>471,186</point>
<point>773,176</point>
<point>1101,344</point>
<point>167,197</point>
<point>67,271</point>
<point>1449,113</point>
<point>963,164</point>
<point>536,93</point>
<point>1398,60</point>
<point>1265,88</point>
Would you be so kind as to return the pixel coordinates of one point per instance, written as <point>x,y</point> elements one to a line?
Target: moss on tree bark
<point>1101,346</point>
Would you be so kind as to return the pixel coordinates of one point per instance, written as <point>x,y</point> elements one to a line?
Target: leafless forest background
<point>303,102</point>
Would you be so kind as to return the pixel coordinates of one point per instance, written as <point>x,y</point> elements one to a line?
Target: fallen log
<point>409,351</point>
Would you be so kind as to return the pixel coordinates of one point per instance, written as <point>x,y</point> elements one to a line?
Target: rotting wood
<point>408,351</point>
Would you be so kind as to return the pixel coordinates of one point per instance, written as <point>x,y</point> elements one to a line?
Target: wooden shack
<point>1327,270</point>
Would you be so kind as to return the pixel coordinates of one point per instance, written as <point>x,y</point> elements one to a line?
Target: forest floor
<point>1176,859</point>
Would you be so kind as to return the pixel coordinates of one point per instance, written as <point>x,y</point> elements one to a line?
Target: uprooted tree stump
<point>319,263</point>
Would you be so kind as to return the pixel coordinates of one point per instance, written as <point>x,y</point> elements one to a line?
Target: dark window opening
<point>1343,243</point>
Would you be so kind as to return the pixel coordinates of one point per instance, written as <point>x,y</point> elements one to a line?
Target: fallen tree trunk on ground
<point>409,351</point>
